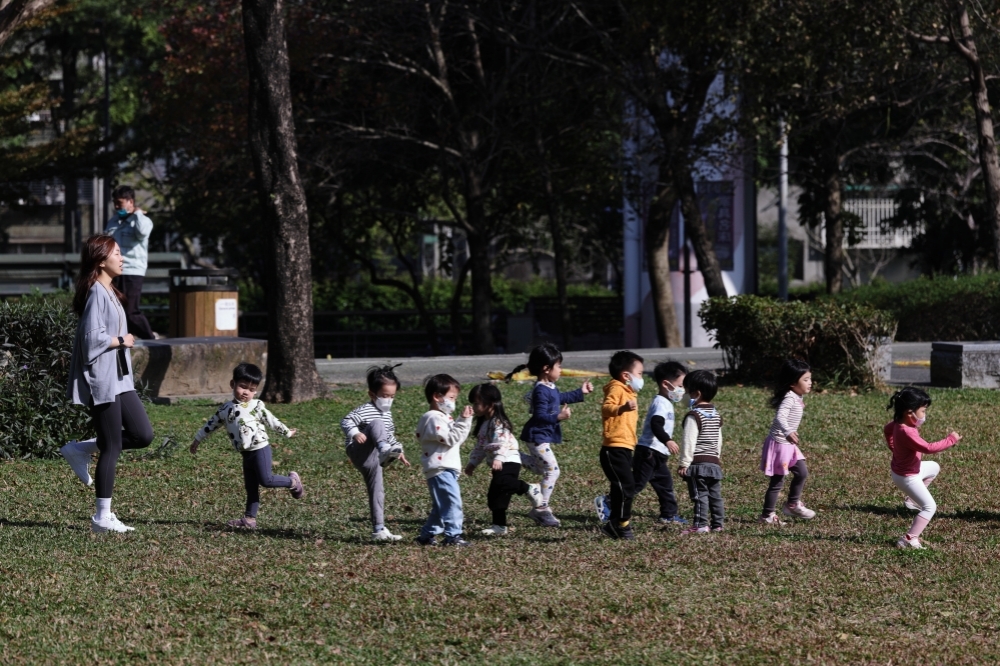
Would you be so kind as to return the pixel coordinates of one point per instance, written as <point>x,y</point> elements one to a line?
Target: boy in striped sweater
<point>370,438</point>
<point>701,451</point>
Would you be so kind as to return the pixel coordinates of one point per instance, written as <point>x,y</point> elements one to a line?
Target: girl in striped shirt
<point>780,454</point>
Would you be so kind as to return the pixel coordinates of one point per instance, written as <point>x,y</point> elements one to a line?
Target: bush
<point>36,342</point>
<point>842,342</point>
<point>940,308</point>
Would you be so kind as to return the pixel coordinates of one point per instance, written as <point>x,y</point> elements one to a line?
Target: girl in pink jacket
<point>909,472</point>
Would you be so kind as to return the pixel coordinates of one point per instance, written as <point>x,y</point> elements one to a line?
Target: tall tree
<point>292,374</point>
<point>950,25</point>
<point>15,13</point>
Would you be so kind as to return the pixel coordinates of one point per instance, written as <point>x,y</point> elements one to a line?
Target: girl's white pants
<point>915,487</point>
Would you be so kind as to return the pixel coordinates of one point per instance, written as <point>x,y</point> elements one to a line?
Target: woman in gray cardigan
<point>101,376</point>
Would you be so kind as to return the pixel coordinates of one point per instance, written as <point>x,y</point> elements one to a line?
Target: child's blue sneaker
<point>676,520</point>
<point>602,506</point>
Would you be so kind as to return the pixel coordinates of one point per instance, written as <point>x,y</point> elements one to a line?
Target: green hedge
<point>844,343</point>
<point>36,341</point>
<point>939,308</point>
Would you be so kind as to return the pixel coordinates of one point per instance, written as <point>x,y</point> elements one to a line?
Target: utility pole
<point>783,212</point>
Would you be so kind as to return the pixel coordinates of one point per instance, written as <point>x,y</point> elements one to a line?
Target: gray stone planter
<point>966,364</point>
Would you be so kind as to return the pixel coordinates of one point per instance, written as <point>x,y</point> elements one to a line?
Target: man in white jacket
<point>130,228</point>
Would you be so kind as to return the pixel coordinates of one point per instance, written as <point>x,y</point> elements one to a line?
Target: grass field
<point>309,587</point>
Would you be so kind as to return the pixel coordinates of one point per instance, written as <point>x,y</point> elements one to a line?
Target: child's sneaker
<point>243,523</point>
<point>109,523</point>
<point>426,541</point>
<point>676,520</point>
<point>390,455</point>
<point>696,530</point>
<point>798,510</point>
<point>910,504</point>
<point>771,519</point>
<point>543,516</point>
<point>609,530</point>
<point>535,495</point>
<point>297,489</point>
<point>385,535</point>
<point>77,454</point>
<point>906,541</point>
<point>603,508</point>
<point>717,528</point>
<point>456,541</point>
<point>625,532</point>
<point>495,530</point>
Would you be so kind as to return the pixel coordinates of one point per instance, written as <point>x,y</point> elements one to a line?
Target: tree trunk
<point>558,250</point>
<point>697,233</point>
<point>16,12</point>
<point>834,255</point>
<point>291,362</point>
<point>71,199</point>
<point>482,293</point>
<point>966,47</point>
<point>456,303</point>
<point>657,244</point>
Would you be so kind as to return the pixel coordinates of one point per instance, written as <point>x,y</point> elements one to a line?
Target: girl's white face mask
<point>447,406</point>
<point>675,394</point>
<point>383,404</point>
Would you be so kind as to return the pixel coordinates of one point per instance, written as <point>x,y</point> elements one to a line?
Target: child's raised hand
<point>360,438</point>
<point>564,413</point>
<point>587,388</point>
<point>194,447</point>
<point>470,470</point>
<point>497,465</point>
<point>957,437</point>
<point>629,406</point>
<point>467,412</point>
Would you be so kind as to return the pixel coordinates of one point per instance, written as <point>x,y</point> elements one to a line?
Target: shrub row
<point>36,342</point>
<point>940,308</point>
<point>843,342</point>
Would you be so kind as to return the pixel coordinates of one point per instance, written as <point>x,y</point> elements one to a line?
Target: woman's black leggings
<point>799,476</point>
<point>110,418</point>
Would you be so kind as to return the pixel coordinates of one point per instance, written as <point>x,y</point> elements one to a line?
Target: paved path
<point>474,368</point>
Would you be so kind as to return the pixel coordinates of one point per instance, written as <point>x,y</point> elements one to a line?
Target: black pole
<point>687,295</point>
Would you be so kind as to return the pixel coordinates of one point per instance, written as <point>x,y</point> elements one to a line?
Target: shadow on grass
<point>899,511</point>
<point>5,522</point>
<point>972,515</point>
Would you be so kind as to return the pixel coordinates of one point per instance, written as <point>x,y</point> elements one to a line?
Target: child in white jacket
<point>441,437</point>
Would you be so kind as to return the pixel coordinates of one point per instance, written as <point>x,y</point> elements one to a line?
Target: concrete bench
<point>966,364</point>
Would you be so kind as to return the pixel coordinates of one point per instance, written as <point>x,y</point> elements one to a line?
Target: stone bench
<point>193,368</point>
<point>966,364</point>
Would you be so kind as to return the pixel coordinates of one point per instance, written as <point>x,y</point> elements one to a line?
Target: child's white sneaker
<point>495,530</point>
<point>910,504</point>
<point>906,541</point>
<point>109,523</point>
<point>385,535</point>
<point>77,454</point>
<point>543,516</point>
<point>771,519</point>
<point>798,510</point>
<point>535,495</point>
<point>390,455</point>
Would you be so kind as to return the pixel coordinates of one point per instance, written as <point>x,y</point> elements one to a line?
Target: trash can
<point>204,303</point>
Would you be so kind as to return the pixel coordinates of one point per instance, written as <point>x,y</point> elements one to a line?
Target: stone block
<point>189,368</point>
<point>966,364</point>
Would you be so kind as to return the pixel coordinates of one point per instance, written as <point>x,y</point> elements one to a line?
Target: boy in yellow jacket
<point>620,417</point>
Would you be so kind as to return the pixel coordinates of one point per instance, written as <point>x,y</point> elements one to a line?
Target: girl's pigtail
<point>514,372</point>
<point>892,401</point>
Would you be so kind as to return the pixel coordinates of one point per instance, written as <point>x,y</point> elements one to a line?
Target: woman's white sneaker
<point>77,454</point>
<point>385,535</point>
<point>109,523</point>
